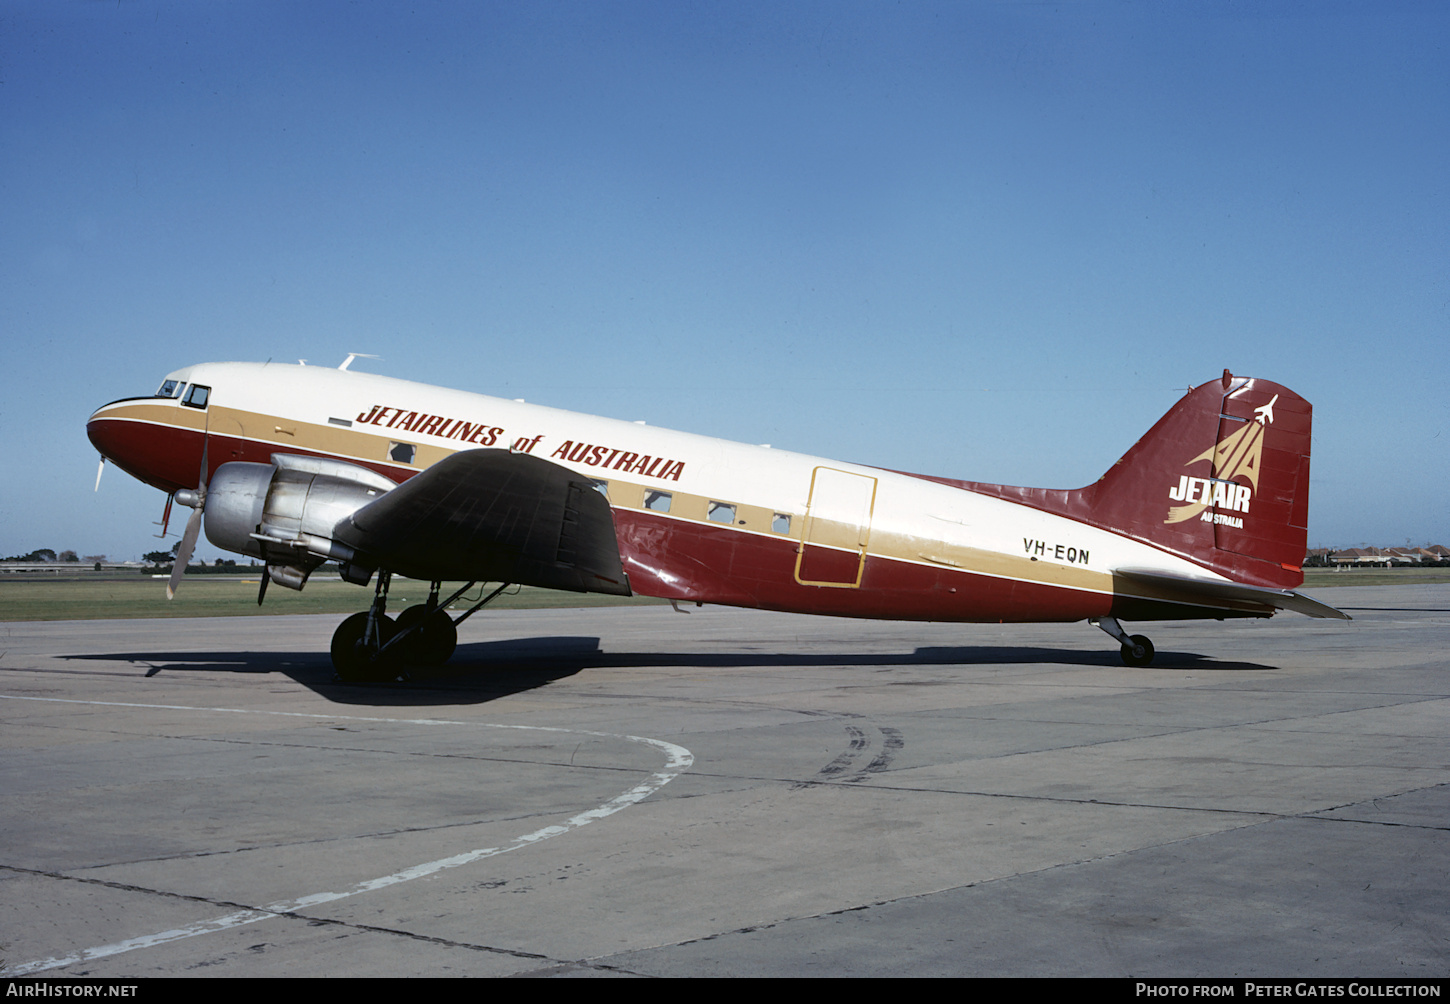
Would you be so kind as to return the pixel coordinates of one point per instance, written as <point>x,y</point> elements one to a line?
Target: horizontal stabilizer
<point>1211,589</point>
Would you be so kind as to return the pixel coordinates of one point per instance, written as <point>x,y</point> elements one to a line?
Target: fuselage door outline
<point>836,531</point>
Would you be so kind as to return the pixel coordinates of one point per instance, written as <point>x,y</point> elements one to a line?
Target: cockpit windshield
<point>196,396</point>
<point>170,388</point>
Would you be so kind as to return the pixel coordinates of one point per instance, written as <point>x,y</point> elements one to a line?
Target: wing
<point>493,516</point>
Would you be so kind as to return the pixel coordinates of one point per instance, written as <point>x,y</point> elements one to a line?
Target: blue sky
<point>984,240</point>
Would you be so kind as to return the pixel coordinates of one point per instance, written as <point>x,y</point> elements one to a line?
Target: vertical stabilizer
<point>1223,478</point>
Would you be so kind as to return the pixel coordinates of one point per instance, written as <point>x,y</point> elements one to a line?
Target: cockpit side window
<point>196,396</point>
<point>170,388</point>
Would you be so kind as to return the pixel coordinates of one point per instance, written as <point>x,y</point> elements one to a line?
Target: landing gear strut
<point>1137,650</point>
<point>371,646</point>
<point>434,635</point>
<point>359,641</point>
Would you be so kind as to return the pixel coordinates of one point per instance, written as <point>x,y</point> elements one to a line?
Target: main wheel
<point>435,636</point>
<point>1138,651</point>
<point>353,656</point>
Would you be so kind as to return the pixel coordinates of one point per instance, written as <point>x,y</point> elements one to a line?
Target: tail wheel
<point>434,635</point>
<point>353,654</point>
<point>1137,651</point>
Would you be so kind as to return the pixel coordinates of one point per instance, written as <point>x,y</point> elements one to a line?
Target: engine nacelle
<point>285,512</point>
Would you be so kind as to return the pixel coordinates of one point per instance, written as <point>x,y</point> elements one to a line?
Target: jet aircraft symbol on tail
<point>1266,411</point>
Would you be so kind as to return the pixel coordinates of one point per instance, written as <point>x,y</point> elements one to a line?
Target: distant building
<point>1376,557</point>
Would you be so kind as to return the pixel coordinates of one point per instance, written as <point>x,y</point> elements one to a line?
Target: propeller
<point>195,499</point>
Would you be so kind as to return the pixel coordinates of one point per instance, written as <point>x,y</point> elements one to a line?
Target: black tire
<point>1138,651</point>
<point>435,638</point>
<point>352,658</point>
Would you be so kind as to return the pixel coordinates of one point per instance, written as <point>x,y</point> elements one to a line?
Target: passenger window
<point>781,523</point>
<point>658,501</point>
<point>602,487</point>
<point>169,388</point>
<point>196,396</point>
<point>720,512</point>
<point>401,453</point>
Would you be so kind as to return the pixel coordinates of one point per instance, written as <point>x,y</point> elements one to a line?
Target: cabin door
<point>836,529</point>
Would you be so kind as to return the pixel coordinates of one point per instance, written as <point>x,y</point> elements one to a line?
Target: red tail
<point>1222,479</point>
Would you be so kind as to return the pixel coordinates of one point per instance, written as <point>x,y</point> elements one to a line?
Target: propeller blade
<point>183,553</point>
<point>99,471</point>
<point>262,591</point>
<point>205,442</point>
<point>197,500</point>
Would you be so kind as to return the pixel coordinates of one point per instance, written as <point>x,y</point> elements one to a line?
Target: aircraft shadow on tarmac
<point>485,671</point>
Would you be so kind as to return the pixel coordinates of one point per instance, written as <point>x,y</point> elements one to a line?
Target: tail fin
<point>1223,479</point>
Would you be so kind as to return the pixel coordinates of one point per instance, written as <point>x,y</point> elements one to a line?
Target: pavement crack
<point>129,887</point>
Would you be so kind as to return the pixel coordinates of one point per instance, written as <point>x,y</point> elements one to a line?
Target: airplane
<point>298,465</point>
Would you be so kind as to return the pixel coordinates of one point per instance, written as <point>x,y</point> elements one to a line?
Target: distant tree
<point>158,557</point>
<point>69,556</point>
<point>94,557</point>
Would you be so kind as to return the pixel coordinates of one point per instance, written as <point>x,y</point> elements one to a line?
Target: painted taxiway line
<point>677,761</point>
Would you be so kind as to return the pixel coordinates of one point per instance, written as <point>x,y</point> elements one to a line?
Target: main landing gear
<point>1137,650</point>
<point>371,646</point>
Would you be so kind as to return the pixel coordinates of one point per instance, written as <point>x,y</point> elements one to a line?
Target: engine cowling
<point>285,513</point>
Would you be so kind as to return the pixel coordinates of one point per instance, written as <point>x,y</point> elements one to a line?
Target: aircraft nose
<point>102,435</point>
<point>149,452</point>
